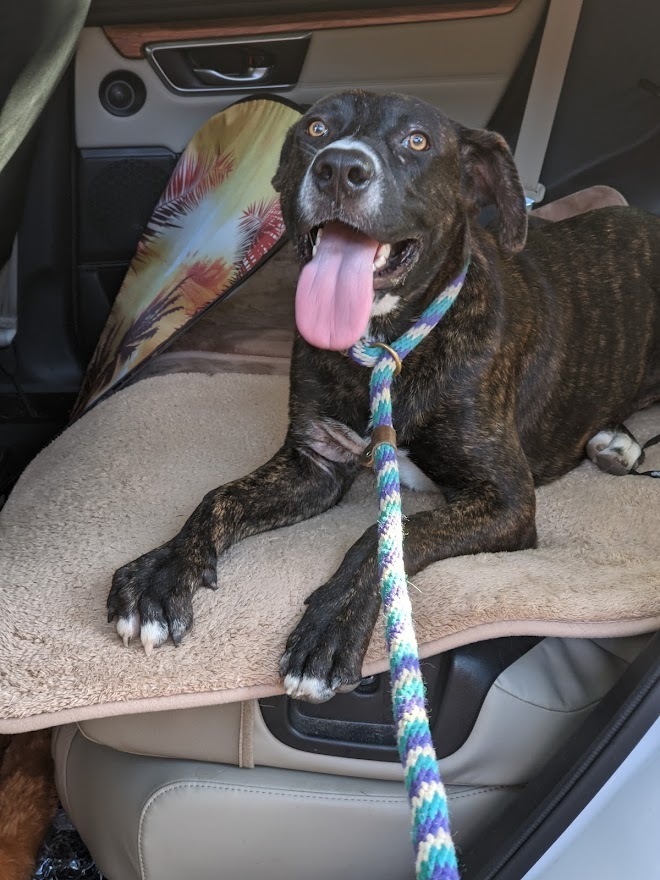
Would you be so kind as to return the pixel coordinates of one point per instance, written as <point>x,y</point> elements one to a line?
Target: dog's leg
<point>324,653</point>
<point>152,596</point>
<point>615,450</point>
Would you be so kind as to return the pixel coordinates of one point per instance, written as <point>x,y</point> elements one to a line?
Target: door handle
<point>211,77</point>
<point>235,64</point>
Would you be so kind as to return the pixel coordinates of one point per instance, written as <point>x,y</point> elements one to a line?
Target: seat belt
<point>61,25</point>
<point>543,98</point>
<point>58,31</point>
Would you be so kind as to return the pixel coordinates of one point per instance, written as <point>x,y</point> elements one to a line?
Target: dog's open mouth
<point>391,260</point>
<point>336,286</point>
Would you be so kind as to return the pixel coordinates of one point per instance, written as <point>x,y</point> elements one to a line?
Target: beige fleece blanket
<point>123,479</point>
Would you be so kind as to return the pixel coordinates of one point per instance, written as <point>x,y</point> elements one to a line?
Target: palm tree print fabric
<point>217,221</point>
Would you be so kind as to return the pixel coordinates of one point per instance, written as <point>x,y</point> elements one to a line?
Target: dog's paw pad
<point>615,452</point>
<point>306,687</point>
<point>128,628</point>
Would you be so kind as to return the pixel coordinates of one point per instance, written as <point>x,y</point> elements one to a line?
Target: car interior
<point>526,727</point>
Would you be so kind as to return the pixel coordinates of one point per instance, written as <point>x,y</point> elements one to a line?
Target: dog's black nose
<point>343,171</point>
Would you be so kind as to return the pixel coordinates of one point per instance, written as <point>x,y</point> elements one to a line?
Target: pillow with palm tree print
<point>217,221</point>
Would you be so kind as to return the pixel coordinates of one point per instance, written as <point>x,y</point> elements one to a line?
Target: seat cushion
<point>531,709</point>
<point>122,479</point>
<point>162,819</point>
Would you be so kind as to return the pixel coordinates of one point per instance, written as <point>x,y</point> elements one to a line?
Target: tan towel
<point>123,479</point>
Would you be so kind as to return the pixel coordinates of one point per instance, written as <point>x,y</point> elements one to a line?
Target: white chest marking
<point>384,305</point>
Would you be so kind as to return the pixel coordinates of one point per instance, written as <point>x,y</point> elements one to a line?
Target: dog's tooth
<point>382,255</point>
<point>319,234</point>
<point>314,249</point>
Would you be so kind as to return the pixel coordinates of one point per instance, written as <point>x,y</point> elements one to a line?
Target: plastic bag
<point>63,855</point>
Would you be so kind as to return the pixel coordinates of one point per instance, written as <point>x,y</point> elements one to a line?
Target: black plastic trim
<point>360,724</point>
<point>354,725</point>
<point>473,669</point>
<point>47,357</point>
<point>41,371</point>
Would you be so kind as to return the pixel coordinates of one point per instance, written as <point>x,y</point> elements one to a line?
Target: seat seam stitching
<point>547,708</point>
<point>246,789</point>
<point>486,789</point>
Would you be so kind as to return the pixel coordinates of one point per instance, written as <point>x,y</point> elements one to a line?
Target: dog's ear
<point>281,174</point>
<point>490,176</point>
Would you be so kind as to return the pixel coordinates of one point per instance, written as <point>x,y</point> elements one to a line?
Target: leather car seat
<point>213,793</point>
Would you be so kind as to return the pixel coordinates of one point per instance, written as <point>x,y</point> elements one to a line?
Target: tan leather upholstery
<point>164,819</point>
<point>208,817</point>
<point>543,696</point>
<point>210,733</point>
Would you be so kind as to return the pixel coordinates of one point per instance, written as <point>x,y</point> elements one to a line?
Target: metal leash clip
<point>381,435</point>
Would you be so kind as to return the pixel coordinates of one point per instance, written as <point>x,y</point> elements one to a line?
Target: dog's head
<point>376,190</point>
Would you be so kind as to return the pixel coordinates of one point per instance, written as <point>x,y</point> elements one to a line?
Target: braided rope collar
<point>435,856</point>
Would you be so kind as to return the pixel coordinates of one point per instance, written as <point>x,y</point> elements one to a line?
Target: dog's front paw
<point>151,597</point>
<point>324,653</point>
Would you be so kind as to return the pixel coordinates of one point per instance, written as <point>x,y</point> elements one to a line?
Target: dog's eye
<point>317,128</point>
<point>417,141</point>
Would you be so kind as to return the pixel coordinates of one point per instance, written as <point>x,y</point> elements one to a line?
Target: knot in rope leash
<point>435,856</point>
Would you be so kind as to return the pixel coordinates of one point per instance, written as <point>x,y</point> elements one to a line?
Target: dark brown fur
<point>543,347</point>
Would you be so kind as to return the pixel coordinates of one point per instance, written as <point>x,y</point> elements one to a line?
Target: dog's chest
<point>414,397</point>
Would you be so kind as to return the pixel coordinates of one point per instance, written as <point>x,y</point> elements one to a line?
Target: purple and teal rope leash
<point>435,856</point>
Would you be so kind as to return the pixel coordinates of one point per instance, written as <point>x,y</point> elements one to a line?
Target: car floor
<point>63,855</point>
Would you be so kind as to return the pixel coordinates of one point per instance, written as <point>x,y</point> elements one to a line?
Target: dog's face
<point>375,191</point>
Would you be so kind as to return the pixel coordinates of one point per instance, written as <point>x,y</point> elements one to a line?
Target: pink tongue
<point>336,289</point>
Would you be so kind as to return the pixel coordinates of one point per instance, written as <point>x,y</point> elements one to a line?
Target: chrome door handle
<point>211,77</point>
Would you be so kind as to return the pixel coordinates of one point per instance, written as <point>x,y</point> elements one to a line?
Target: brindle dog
<point>544,349</point>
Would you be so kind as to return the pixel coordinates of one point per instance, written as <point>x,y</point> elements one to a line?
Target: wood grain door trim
<point>130,40</point>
